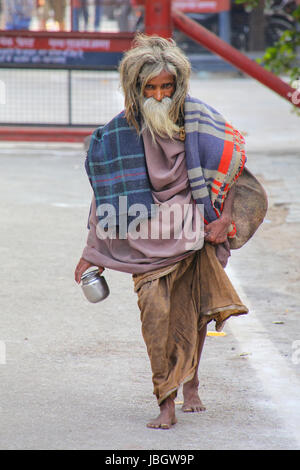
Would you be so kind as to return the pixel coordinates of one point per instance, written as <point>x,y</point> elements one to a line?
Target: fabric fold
<point>214,151</point>
<point>175,303</point>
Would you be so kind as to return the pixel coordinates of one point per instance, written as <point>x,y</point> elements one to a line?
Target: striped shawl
<point>215,158</point>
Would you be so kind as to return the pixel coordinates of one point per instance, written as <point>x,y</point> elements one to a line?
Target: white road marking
<point>279,380</point>
<point>67,205</point>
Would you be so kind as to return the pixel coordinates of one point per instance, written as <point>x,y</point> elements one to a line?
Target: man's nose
<point>158,95</point>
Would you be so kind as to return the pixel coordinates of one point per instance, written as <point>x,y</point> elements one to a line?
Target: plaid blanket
<point>215,158</point>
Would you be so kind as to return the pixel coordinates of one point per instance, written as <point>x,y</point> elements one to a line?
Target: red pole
<point>233,56</point>
<point>158,18</point>
<point>72,5</point>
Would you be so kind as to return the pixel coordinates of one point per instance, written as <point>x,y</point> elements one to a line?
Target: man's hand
<point>216,231</point>
<point>82,266</point>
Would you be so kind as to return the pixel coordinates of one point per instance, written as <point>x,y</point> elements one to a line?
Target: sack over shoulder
<point>249,208</point>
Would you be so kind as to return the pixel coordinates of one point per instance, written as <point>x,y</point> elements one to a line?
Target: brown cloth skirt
<point>175,302</point>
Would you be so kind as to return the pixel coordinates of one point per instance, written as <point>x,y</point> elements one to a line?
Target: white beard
<point>156,117</point>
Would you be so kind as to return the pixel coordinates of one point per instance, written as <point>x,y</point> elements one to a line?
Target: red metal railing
<point>160,19</point>
<point>209,40</point>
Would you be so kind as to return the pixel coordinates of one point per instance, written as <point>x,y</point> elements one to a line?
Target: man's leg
<point>166,417</point>
<point>169,326</point>
<point>192,402</point>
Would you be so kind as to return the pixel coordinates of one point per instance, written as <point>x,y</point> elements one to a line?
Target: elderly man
<point>174,160</point>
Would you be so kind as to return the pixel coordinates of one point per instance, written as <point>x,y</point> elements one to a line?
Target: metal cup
<point>94,286</point>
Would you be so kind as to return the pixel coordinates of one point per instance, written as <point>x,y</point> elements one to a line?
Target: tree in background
<point>282,58</point>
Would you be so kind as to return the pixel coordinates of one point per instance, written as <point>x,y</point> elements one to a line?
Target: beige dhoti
<point>175,302</point>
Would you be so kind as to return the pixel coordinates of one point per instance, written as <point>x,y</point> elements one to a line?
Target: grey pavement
<point>75,375</point>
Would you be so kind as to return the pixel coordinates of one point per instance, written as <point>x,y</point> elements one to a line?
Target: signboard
<point>201,6</point>
<point>62,49</point>
<point>78,49</point>
<point>195,6</point>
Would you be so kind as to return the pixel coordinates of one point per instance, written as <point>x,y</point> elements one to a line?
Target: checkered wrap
<point>215,158</point>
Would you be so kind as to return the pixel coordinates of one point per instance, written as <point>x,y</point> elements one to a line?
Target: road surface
<point>76,375</point>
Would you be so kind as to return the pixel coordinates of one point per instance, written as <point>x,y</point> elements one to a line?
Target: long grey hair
<point>149,56</point>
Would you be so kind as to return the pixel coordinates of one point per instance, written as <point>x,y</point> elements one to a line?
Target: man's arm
<point>216,231</point>
<point>84,264</point>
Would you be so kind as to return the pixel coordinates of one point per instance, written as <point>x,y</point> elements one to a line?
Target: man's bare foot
<point>192,402</point>
<point>166,418</point>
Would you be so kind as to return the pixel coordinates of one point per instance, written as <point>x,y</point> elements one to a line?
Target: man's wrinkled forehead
<point>163,77</point>
<point>151,70</point>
